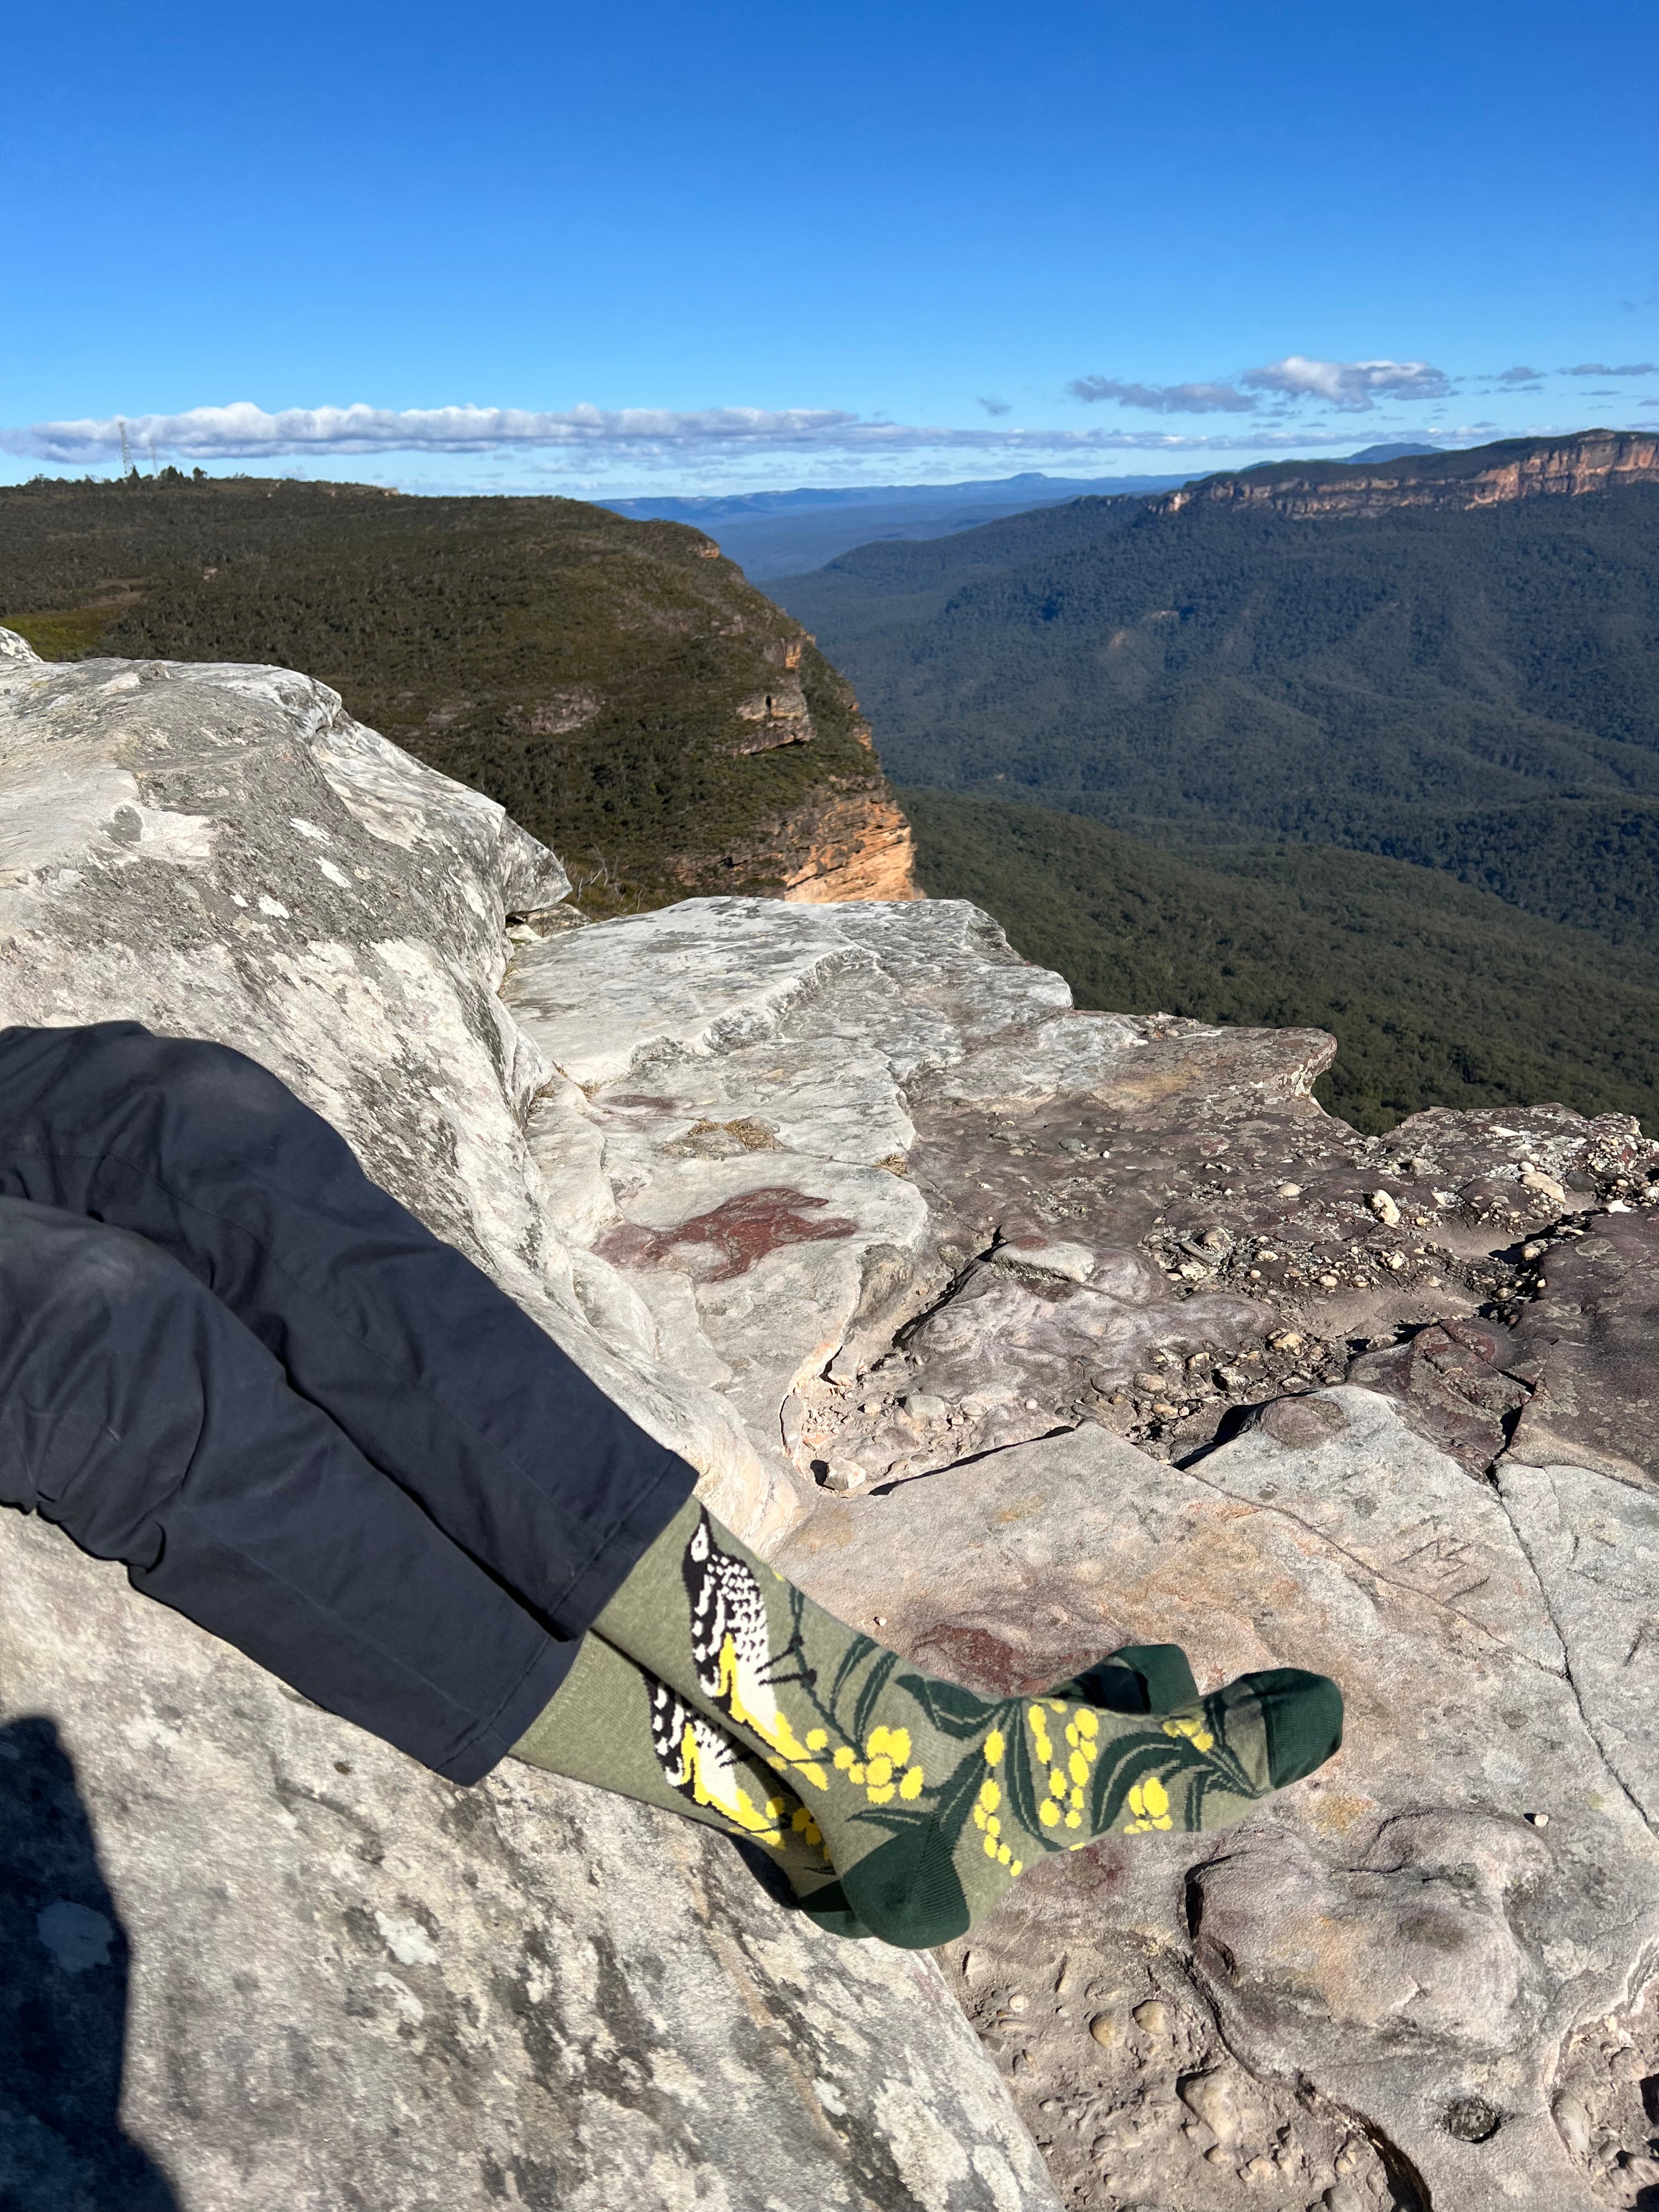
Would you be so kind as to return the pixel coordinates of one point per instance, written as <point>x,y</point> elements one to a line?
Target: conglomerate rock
<point>1013,1333</point>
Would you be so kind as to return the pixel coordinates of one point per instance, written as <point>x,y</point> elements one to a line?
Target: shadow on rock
<point>62,1998</point>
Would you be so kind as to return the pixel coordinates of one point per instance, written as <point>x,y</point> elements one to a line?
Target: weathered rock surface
<point>1013,1333</point>
<point>313,1974</point>
<point>1591,1332</point>
<point>1410,1934</point>
<point>914,1217</point>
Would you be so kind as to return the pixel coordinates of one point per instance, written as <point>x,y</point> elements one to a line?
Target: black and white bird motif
<point>700,1761</point>
<point>730,1641</point>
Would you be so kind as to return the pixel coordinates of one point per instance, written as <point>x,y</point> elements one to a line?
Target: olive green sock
<point>1139,1678</point>
<point>612,1724</point>
<point>932,1799</point>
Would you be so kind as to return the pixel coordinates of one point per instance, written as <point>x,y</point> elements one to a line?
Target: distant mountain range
<point>784,533</point>
<point>1393,452</point>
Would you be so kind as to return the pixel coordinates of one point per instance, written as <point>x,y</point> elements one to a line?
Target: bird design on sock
<point>730,1642</point>
<point>700,1761</point>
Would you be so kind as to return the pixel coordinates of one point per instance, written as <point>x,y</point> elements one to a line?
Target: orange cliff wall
<point>1597,460</point>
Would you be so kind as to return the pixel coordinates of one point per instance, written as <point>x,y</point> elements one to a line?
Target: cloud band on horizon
<point>243,431</point>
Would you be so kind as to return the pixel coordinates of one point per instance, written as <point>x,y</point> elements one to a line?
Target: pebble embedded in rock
<point>1382,1205</point>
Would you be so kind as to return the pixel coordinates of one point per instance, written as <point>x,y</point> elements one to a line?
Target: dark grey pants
<point>231,1361</point>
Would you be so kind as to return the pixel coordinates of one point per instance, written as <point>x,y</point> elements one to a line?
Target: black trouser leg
<point>137,1412</point>
<point>438,1378</point>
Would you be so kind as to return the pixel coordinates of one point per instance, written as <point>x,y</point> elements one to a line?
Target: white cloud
<point>583,436</point>
<point>1165,398</point>
<point>245,432</point>
<point>1352,385</point>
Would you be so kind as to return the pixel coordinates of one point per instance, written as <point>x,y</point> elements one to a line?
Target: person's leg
<point>450,1389</point>
<point>139,1415</point>
<point>437,1378</point>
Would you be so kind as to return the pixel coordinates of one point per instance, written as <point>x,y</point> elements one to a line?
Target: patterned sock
<point>612,1724</point>
<point>931,1800</point>
<point>1141,1678</point>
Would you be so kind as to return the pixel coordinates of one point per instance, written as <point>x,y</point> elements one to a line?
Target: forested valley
<point>1396,774</point>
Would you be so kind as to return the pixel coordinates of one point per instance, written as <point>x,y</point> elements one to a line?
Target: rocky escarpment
<point>255,1961</point>
<point>617,685</point>
<point>1484,476</point>
<point>1014,1333</point>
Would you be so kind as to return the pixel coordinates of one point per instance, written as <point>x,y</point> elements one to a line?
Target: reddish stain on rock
<point>738,1234</point>
<point>1012,1659</point>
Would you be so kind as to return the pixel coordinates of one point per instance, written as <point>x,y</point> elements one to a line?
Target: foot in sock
<point>613,1725</point>
<point>619,1728</point>
<point>932,1799</point>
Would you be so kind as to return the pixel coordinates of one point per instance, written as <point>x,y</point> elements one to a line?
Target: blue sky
<point>697,248</point>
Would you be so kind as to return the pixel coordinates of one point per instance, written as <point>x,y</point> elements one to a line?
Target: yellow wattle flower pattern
<point>1068,1776</point>
<point>1192,1726</point>
<point>886,1751</point>
<point>1035,1773</point>
<point>1148,1801</point>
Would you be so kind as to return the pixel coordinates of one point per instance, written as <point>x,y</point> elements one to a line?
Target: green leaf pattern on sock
<point>1059,1793</point>
<point>1043,1774</point>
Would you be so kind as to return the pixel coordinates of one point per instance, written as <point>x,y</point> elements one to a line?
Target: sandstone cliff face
<point>618,686</point>
<point>861,850</point>
<point>845,839</point>
<point>1595,460</point>
<point>1014,1333</point>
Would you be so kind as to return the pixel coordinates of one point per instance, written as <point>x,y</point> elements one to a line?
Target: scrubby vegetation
<point>1438,995</point>
<point>585,671</point>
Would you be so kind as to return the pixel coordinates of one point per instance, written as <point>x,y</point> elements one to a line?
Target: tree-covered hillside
<point>1438,995</point>
<point>606,680</point>
<point>1474,690</point>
